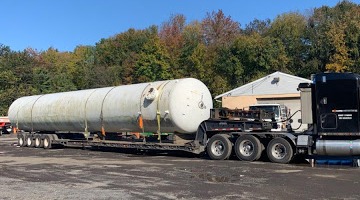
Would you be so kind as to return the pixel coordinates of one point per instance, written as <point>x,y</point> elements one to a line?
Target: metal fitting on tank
<point>152,94</point>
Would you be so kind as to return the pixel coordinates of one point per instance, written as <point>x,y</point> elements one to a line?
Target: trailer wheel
<point>21,140</point>
<point>47,141</point>
<point>219,147</point>
<point>29,140</point>
<point>279,150</point>
<point>54,137</point>
<point>38,142</point>
<point>248,148</point>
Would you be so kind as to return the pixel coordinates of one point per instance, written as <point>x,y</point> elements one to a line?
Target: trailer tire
<point>29,140</point>
<point>279,150</point>
<point>219,147</point>
<point>47,141</point>
<point>248,148</point>
<point>54,137</point>
<point>38,141</point>
<point>21,140</point>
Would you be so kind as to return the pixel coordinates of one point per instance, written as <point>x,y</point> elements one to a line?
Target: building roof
<point>275,83</point>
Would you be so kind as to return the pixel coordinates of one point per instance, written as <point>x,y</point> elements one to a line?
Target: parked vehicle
<point>5,125</point>
<point>282,113</point>
<point>183,109</point>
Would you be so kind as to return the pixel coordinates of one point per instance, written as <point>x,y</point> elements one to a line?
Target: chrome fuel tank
<point>338,147</point>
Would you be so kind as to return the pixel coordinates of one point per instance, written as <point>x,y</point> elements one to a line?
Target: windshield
<point>274,109</point>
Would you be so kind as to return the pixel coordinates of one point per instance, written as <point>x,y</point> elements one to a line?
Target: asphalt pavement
<point>74,173</point>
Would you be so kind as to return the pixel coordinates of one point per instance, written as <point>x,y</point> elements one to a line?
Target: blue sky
<point>64,24</point>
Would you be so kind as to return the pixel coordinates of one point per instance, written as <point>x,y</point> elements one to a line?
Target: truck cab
<point>281,113</point>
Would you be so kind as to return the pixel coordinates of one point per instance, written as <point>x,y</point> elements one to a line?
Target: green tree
<point>8,90</point>
<point>258,56</point>
<point>257,26</point>
<point>339,59</point>
<point>61,69</point>
<point>191,58</point>
<point>153,63</point>
<point>15,70</point>
<point>83,58</point>
<point>333,34</point>
<point>290,29</point>
<point>115,57</point>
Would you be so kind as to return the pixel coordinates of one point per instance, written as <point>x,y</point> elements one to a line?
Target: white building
<point>277,87</point>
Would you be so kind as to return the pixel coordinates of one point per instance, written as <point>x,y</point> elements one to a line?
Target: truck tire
<point>279,150</point>
<point>219,147</point>
<point>29,140</point>
<point>248,148</point>
<point>21,140</point>
<point>47,141</point>
<point>38,141</point>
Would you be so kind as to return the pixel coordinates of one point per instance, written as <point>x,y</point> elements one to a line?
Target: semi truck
<point>183,110</point>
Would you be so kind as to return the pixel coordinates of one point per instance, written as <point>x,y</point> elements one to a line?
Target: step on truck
<point>178,115</point>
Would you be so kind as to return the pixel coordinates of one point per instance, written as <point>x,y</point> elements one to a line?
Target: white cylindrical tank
<point>167,106</point>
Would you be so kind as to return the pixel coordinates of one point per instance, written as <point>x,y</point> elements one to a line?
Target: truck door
<point>337,97</point>
<point>328,119</point>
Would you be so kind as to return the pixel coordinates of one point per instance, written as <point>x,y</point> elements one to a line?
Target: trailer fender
<point>291,137</point>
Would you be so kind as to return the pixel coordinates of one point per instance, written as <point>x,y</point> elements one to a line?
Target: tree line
<point>217,50</point>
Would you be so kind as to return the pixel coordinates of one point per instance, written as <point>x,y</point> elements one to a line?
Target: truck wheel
<point>38,142</point>
<point>9,129</point>
<point>47,141</point>
<point>279,150</point>
<point>248,148</point>
<point>21,140</point>
<point>219,147</point>
<point>29,140</point>
<point>54,137</point>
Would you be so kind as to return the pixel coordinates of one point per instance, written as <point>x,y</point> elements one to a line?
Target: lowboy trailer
<point>183,110</point>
